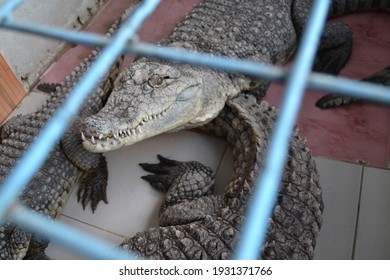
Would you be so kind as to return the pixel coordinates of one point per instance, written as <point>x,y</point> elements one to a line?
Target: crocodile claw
<point>48,87</point>
<point>164,173</point>
<point>184,177</point>
<point>93,187</point>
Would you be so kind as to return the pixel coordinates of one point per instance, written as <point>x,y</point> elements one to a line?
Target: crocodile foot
<point>334,51</point>
<point>93,186</point>
<point>48,87</point>
<point>187,187</point>
<point>94,166</point>
<point>186,179</point>
<point>381,77</point>
<point>334,100</point>
<point>36,250</point>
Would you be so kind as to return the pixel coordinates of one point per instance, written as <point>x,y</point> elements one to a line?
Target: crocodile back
<point>239,29</point>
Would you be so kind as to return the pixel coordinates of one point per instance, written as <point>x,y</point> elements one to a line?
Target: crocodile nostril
<point>92,125</point>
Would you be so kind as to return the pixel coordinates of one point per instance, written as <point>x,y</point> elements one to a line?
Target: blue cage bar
<point>125,40</point>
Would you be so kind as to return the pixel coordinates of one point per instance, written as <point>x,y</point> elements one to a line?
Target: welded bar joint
<point>317,81</point>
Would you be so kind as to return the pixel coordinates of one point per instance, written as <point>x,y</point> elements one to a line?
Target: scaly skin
<point>49,189</point>
<point>197,225</point>
<point>333,100</point>
<point>153,96</point>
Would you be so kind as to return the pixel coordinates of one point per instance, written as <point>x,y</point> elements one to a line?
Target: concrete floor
<point>29,55</point>
<point>356,224</point>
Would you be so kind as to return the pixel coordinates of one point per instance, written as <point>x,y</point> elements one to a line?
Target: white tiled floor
<point>356,221</point>
<point>356,215</point>
<point>341,185</point>
<point>372,238</point>
<point>133,204</point>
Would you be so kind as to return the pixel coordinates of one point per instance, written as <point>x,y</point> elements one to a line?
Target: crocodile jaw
<point>114,133</point>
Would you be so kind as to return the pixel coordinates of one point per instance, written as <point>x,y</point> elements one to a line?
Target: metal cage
<point>125,41</point>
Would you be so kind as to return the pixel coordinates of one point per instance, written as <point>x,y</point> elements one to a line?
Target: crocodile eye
<point>159,82</point>
<point>156,81</point>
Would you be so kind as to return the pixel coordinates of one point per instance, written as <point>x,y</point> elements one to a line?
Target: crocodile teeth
<point>116,137</point>
<point>139,129</point>
<point>101,136</point>
<point>128,132</point>
<point>93,140</point>
<point>133,131</point>
<point>83,136</point>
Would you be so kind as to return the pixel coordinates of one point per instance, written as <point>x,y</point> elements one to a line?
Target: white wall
<point>24,52</point>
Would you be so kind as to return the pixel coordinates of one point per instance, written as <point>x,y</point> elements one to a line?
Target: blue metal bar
<point>264,196</point>
<point>316,81</point>
<point>77,37</point>
<point>7,9</point>
<point>39,150</point>
<point>345,86</point>
<point>60,232</point>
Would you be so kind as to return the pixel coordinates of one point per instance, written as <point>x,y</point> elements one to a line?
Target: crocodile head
<point>151,97</point>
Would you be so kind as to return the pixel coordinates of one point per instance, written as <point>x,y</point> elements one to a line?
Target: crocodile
<point>334,100</point>
<point>153,96</point>
<point>196,224</point>
<point>67,164</point>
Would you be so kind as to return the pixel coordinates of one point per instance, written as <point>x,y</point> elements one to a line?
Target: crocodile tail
<point>298,210</point>
<point>339,7</point>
